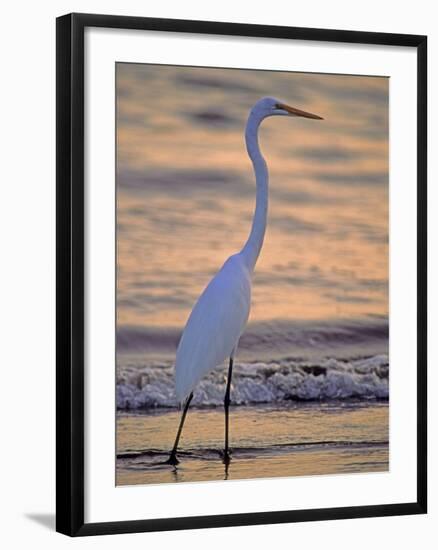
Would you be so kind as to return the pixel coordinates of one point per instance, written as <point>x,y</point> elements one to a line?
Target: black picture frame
<point>70,273</point>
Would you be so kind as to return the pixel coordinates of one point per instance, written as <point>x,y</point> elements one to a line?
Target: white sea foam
<point>145,387</point>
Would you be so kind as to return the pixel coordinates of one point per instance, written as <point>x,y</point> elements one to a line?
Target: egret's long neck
<point>254,244</point>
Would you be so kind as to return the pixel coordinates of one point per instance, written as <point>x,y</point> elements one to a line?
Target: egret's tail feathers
<point>184,384</point>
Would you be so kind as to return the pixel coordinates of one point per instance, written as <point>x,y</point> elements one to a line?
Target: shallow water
<point>295,439</point>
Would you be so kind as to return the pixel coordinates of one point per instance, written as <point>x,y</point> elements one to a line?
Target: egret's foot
<point>226,457</point>
<point>172,460</point>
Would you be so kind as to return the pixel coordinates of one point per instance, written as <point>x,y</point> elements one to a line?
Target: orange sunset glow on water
<point>186,193</point>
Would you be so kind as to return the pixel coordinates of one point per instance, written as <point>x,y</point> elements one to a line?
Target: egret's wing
<point>214,326</point>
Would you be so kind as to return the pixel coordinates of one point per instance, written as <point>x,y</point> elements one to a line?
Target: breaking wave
<point>152,386</point>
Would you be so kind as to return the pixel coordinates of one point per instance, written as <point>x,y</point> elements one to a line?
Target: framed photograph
<point>241,274</point>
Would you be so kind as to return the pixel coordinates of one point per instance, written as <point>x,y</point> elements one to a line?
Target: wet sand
<point>267,441</point>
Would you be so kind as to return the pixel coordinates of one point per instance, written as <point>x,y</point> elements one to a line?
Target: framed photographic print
<point>241,274</point>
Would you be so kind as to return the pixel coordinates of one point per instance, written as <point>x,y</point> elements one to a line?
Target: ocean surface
<point>310,391</point>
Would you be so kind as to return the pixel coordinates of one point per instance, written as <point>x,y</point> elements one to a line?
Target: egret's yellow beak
<point>297,112</point>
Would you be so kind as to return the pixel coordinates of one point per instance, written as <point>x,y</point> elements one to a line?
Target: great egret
<point>219,317</point>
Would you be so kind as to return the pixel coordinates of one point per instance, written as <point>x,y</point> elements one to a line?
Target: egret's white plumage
<point>214,326</point>
<point>219,317</point>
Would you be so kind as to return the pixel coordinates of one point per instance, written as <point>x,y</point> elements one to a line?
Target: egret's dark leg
<point>227,457</point>
<point>172,458</point>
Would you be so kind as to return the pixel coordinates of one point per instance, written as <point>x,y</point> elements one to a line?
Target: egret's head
<point>269,106</point>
